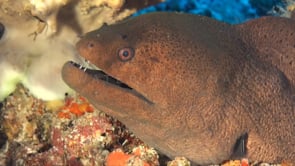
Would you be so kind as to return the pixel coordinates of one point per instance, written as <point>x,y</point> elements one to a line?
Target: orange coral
<point>119,158</point>
<point>77,106</point>
<point>242,162</point>
<point>65,115</point>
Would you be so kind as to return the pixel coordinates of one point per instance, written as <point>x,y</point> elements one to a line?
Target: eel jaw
<point>98,74</point>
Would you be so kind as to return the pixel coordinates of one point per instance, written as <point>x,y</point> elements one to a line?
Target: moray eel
<point>192,86</point>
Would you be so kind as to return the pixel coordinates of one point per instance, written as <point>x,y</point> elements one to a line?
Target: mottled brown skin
<point>209,83</point>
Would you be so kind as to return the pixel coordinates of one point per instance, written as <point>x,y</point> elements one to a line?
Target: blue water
<point>230,11</point>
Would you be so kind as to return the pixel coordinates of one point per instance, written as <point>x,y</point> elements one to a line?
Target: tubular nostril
<point>90,45</point>
<point>2,29</point>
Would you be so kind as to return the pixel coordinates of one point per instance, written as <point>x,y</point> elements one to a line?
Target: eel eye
<point>125,54</point>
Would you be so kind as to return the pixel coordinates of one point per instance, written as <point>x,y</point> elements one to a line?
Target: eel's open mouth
<point>100,75</point>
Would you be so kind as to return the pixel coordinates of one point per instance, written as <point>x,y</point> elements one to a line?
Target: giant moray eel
<point>192,86</point>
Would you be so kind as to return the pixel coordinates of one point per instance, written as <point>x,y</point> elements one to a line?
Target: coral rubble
<point>35,133</point>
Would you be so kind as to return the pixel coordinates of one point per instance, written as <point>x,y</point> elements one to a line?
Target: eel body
<point>192,86</point>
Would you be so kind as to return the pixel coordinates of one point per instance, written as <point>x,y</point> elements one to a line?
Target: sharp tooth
<point>85,64</point>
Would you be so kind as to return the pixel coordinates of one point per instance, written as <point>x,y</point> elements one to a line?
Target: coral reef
<point>225,10</point>
<point>140,155</point>
<point>37,135</point>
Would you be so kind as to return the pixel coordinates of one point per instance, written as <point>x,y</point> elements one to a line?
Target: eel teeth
<point>85,65</point>
<point>89,65</point>
<point>79,66</point>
